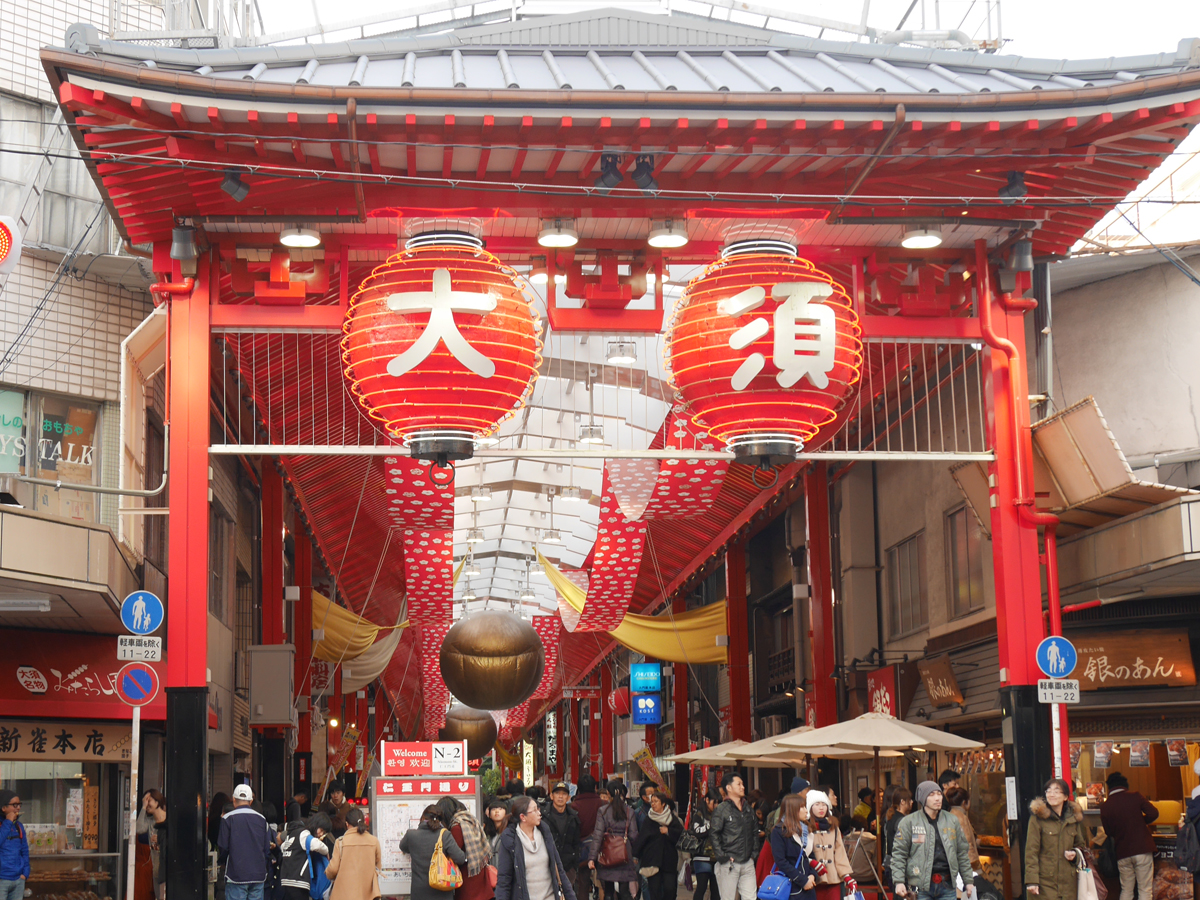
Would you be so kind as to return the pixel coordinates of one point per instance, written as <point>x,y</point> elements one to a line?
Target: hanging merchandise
<point>440,344</point>
<point>492,660</point>
<point>765,351</point>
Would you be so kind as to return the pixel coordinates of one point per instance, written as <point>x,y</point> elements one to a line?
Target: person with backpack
<point>421,844</point>
<point>244,846</point>
<point>357,856</point>
<point>297,852</point>
<point>1126,816</point>
<point>468,834</point>
<point>529,867</point>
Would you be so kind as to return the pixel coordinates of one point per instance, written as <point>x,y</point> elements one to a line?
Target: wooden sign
<point>91,817</point>
<point>1138,658</point>
<point>62,740</point>
<point>940,684</point>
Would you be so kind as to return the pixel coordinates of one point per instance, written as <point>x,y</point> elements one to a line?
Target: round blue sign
<point>1056,657</point>
<point>141,613</point>
<point>137,684</point>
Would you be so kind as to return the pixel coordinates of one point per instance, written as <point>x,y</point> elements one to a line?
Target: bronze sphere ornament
<point>492,660</point>
<point>475,726</point>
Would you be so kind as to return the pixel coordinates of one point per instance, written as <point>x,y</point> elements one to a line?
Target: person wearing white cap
<point>827,849</point>
<point>930,856</point>
<point>244,847</point>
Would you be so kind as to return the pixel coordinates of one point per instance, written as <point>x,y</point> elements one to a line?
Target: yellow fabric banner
<point>347,635</point>
<point>688,637</point>
<point>509,759</point>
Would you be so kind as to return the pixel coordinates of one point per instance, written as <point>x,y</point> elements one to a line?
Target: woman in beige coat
<point>354,867</point>
<point>827,850</point>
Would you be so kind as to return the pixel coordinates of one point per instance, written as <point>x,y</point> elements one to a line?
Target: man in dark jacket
<point>244,848</point>
<point>734,834</point>
<point>1125,815</point>
<point>14,848</point>
<point>529,867</point>
<point>564,823</point>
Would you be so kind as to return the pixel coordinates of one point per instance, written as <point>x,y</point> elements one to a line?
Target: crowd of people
<point>598,844</point>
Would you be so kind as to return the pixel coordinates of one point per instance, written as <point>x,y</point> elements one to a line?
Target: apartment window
<point>221,574</point>
<point>64,446</point>
<point>156,526</point>
<point>964,561</point>
<point>906,585</point>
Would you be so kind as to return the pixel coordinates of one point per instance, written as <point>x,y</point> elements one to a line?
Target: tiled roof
<point>621,50</point>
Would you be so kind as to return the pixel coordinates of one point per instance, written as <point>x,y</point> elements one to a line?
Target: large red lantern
<point>764,349</point>
<point>441,345</point>
<point>620,702</point>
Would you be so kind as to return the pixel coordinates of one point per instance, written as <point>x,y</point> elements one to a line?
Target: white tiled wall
<point>75,348</point>
<point>28,25</point>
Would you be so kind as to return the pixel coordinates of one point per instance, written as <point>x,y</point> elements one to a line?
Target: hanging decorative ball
<point>492,660</point>
<point>475,726</point>
<point>441,345</point>
<point>620,702</point>
<point>764,351</point>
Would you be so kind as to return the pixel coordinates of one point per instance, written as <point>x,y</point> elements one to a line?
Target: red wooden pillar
<point>820,581</point>
<point>682,735</point>
<point>739,642</point>
<point>188,416</point>
<point>272,554</point>
<point>606,722</point>
<point>302,638</point>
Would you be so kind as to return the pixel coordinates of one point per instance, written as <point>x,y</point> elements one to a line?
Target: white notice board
<point>396,806</point>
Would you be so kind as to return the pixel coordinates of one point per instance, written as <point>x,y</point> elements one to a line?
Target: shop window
<point>156,526</point>
<point>906,585</point>
<point>13,432</point>
<point>964,561</point>
<point>64,446</point>
<point>221,565</point>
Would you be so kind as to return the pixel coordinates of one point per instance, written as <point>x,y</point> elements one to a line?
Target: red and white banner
<point>403,758</point>
<point>434,787</point>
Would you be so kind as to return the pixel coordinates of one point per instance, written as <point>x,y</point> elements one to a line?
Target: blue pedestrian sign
<point>141,613</point>
<point>137,683</point>
<point>1056,657</point>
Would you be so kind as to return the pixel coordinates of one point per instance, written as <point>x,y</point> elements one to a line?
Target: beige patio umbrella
<point>875,733</point>
<point>708,756</point>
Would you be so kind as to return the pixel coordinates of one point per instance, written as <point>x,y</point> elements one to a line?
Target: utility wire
<point>1169,255</point>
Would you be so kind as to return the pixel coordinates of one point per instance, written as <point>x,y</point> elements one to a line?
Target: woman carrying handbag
<point>421,843</point>
<point>356,859</point>
<point>612,845</point>
<point>787,845</point>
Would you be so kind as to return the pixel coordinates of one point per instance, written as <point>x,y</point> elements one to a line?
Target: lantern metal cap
<point>765,449</point>
<point>444,239</point>
<point>440,446</point>
<point>758,245</point>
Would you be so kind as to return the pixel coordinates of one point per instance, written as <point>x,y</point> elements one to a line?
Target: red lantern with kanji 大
<point>620,702</point>
<point>764,350</point>
<point>440,345</point>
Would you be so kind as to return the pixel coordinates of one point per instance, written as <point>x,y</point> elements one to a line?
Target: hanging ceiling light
<point>528,596</point>
<point>551,536</point>
<point>471,569</point>
<point>667,234</point>
<point>233,185</point>
<point>469,595</point>
<point>297,236</point>
<point>481,494</point>
<point>921,237</point>
<point>610,172</point>
<point>643,174</point>
<point>621,353</point>
<point>488,441</point>
<point>571,494</point>
<point>558,233</point>
<point>591,434</point>
<point>474,535</point>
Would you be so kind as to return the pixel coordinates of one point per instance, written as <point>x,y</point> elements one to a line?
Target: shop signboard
<point>582,692</point>
<point>1136,658</point>
<point>402,758</point>
<point>940,683</point>
<point>68,675</point>
<point>645,678</point>
<point>396,806</point>
<point>647,709</point>
<point>881,690</point>
<point>527,763</point>
<point>552,741</point>
<point>64,740</point>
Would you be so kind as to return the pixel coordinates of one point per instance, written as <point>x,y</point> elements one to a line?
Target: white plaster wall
<point>1132,343</point>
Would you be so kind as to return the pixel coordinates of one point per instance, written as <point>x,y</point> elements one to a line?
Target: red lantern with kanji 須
<point>440,345</point>
<point>765,350</point>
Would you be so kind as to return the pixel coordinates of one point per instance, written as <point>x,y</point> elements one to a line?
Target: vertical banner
<point>552,742</point>
<point>645,760</point>
<point>527,762</point>
<point>340,758</point>
<point>363,773</point>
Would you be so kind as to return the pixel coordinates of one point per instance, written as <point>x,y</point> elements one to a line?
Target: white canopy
<point>875,731</point>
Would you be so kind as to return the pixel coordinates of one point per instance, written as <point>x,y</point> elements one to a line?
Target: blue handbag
<point>775,887</point>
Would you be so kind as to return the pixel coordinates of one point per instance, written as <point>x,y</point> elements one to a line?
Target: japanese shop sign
<point>881,690</point>
<point>1138,658</point>
<point>345,748</point>
<point>58,675</point>
<point>645,760</point>
<point>940,684</point>
<point>51,741</point>
<point>424,758</point>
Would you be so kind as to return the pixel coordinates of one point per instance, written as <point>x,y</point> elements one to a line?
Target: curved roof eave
<point>1161,88</point>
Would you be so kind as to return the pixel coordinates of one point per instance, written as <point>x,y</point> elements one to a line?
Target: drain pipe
<point>1028,513</point>
<point>171,287</point>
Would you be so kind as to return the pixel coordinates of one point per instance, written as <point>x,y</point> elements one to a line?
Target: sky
<point>1043,28</point>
